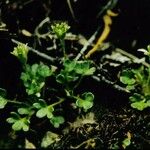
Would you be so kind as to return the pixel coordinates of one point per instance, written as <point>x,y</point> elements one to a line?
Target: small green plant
<point>74,70</point>
<point>145,51</point>
<point>68,75</point>
<point>21,52</point>
<point>86,101</point>
<point>127,141</point>
<point>34,78</point>
<point>137,81</point>
<point>60,30</point>
<point>18,122</point>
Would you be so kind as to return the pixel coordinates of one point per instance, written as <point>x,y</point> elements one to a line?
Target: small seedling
<point>137,81</point>
<point>69,74</point>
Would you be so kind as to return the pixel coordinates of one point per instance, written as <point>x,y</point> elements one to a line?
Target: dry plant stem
<point>71,10</point>
<point>27,2</point>
<point>107,22</point>
<point>115,86</point>
<point>43,55</point>
<point>134,58</point>
<point>36,32</point>
<point>110,5</point>
<point>88,43</point>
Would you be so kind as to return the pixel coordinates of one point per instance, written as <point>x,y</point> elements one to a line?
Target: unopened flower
<point>60,29</point>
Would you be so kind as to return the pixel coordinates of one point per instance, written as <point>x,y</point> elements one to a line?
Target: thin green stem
<point>62,42</point>
<point>30,114</point>
<point>76,97</point>
<point>16,102</point>
<point>57,103</point>
<point>77,84</point>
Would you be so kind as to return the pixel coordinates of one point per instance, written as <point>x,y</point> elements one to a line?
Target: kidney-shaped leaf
<point>140,105</point>
<point>42,112</point>
<point>56,121</point>
<point>3,92</point>
<point>24,111</point>
<point>88,96</point>
<point>127,77</point>
<point>3,102</point>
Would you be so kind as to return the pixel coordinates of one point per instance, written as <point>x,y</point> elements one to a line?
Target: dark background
<point>131,24</point>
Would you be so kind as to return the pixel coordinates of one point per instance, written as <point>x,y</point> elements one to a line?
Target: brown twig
<point>43,55</point>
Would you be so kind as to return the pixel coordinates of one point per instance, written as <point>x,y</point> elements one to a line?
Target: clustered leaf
<point>47,110</point>
<point>73,70</point>
<point>18,122</point>
<point>83,68</point>
<point>43,109</point>
<point>34,78</point>
<point>86,101</point>
<point>138,82</point>
<point>140,105</point>
<point>127,77</point>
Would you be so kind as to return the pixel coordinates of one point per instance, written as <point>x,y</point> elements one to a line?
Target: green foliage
<point>34,78</point>
<point>57,120</point>
<point>127,77</point>
<point>73,70</point>
<point>60,29</point>
<point>83,68</point>
<point>25,111</point>
<point>3,102</point>
<point>43,109</point>
<point>3,92</point>
<point>140,105</point>
<point>145,51</point>
<point>68,75</point>
<point>126,142</point>
<point>18,122</point>
<point>137,81</point>
<point>86,102</point>
<point>21,52</point>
